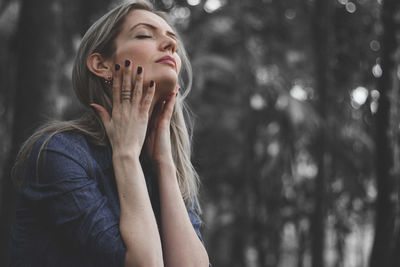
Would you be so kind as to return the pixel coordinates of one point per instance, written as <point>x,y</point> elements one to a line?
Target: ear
<point>99,66</point>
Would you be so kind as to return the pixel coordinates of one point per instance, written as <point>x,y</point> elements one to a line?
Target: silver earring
<point>108,81</point>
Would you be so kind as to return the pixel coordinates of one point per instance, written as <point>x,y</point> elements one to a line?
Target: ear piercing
<point>108,81</point>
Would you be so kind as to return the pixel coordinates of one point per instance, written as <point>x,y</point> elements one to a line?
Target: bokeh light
<point>257,102</point>
<point>298,92</point>
<point>212,5</point>
<point>290,14</point>
<point>193,2</point>
<point>377,70</point>
<point>375,45</point>
<point>351,7</point>
<point>359,96</point>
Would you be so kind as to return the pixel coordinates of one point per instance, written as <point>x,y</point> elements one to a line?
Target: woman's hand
<point>126,127</point>
<point>158,141</point>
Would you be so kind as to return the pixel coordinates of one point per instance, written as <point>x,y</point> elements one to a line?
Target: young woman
<point>115,187</point>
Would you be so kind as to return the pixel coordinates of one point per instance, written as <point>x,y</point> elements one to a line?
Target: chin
<point>165,86</point>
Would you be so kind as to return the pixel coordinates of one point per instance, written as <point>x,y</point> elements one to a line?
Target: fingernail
<point>117,67</point>
<point>127,63</point>
<point>151,83</point>
<point>139,70</point>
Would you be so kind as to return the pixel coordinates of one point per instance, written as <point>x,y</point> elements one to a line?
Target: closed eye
<point>143,36</point>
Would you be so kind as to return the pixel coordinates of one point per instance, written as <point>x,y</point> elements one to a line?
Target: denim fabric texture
<point>68,208</point>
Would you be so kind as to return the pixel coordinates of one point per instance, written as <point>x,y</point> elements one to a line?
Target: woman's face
<point>146,39</point>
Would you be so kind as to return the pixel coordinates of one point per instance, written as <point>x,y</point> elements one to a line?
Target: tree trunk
<point>36,77</point>
<point>301,247</point>
<point>244,218</point>
<point>321,28</point>
<point>396,155</point>
<point>396,146</point>
<point>7,85</point>
<point>44,44</point>
<point>385,207</point>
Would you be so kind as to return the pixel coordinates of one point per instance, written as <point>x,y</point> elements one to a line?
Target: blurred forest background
<point>297,119</point>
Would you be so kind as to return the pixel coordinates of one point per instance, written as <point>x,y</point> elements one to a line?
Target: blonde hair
<point>90,88</point>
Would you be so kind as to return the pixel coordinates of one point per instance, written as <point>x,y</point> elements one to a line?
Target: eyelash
<point>148,36</point>
<point>143,36</point>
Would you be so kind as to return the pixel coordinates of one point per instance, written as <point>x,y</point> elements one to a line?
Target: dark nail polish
<point>151,83</point>
<point>127,63</point>
<point>117,67</point>
<point>139,70</point>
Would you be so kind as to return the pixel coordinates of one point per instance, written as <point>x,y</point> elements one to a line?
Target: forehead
<point>143,16</point>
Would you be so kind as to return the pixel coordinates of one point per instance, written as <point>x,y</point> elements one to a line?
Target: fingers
<point>169,107</point>
<point>148,97</point>
<point>155,116</point>
<point>124,80</point>
<point>162,112</point>
<point>102,112</point>
<point>116,89</point>
<point>126,89</point>
<point>138,90</point>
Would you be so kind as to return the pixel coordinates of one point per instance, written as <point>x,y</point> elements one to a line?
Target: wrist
<point>121,155</point>
<point>168,165</point>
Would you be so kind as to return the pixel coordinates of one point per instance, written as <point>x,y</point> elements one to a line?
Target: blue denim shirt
<point>70,216</point>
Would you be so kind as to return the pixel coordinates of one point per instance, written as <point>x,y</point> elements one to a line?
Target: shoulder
<point>62,142</point>
<point>62,147</point>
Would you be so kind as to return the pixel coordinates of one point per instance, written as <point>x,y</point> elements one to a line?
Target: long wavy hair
<point>90,88</point>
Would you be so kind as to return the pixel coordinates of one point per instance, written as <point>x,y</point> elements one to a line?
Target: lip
<point>167,60</point>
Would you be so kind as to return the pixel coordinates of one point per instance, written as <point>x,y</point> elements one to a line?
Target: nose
<point>168,43</point>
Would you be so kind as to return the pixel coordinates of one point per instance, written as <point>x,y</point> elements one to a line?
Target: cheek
<point>179,64</point>
<point>138,54</point>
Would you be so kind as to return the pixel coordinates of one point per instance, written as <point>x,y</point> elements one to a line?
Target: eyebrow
<point>173,35</point>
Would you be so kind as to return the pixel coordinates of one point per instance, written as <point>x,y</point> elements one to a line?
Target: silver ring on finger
<point>126,95</point>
